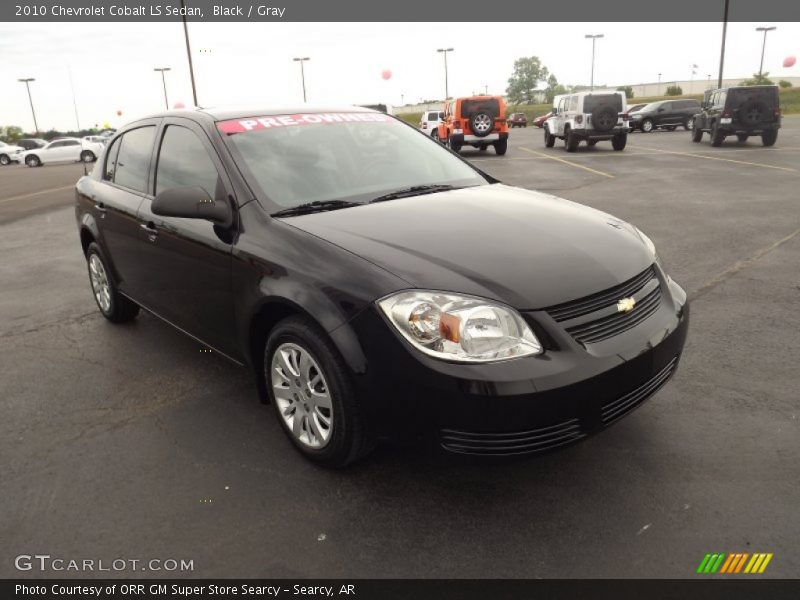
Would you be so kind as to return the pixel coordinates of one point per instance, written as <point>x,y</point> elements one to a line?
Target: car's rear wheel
<point>500,147</point>
<point>697,133</point>
<point>619,141</point>
<point>717,137</point>
<point>32,161</point>
<point>314,399</point>
<point>768,138</point>
<point>571,141</point>
<point>549,139</point>
<point>454,146</point>
<point>688,124</point>
<point>742,137</point>
<point>4,160</point>
<point>647,125</point>
<point>114,306</point>
<point>88,156</point>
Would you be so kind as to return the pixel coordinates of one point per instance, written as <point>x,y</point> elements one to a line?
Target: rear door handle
<point>150,231</point>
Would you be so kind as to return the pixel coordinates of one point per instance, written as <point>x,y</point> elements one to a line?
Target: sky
<point>248,64</point>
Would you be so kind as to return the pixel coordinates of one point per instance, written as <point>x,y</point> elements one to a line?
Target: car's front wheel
<point>32,161</point>
<point>549,138</point>
<point>88,156</point>
<point>647,125</point>
<point>114,306</point>
<point>697,133</point>
<point>310,388</point>
<point>4,160</point>
<point>571,141</point>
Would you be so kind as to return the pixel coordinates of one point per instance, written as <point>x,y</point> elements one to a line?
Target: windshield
<point>313,157</point>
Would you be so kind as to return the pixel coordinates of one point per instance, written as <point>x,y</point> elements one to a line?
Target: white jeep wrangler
<point>590,116</point>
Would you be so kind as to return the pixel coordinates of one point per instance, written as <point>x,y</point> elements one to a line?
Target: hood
<point>526,249</point>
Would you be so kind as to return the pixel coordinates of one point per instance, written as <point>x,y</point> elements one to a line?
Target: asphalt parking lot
<point>128,441</point>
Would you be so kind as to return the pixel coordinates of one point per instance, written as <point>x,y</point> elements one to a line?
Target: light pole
<point>188,51</point>
<point>446,89</point>
<point>658,88</point>
<point>302,73</point>
<point>164,81</point>
<point>766,30</point>
<point>27,82</point>
<point>722,47</point>
<point>593,37</point>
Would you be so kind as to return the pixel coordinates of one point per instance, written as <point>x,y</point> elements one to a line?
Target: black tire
<point>435,134</point>
<point>88,156</point>
<point>742,137</point>
<point>647,125</point>
<point>619,141</point>
<point>697,133</point>
<point>752,113</point>
<point>688,124</point>
<point>768,138</point>
<point>717,137</point>
<point>549,140</point>
<point>571,141</point>
<point>604,117</point>
<point>349,439</point>
<point>481,123</point>
<point>4,160</point>
<point>500,147</point>
<point>455,147</point>
<point>120,308</point>
<point>32,160</point>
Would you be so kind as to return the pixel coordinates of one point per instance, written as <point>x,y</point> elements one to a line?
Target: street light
<point>593,37</point>
<point>188,50</point>
<point>766,30</point>
<point>658,88</point>
<point>27,82</point>
<point>302,73</point>
<point>446,89</point>
<point>164,81</point>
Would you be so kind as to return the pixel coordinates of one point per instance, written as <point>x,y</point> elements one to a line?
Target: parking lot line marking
<point>40,192</point>
<point>567,162</point>
<point>731,160</point>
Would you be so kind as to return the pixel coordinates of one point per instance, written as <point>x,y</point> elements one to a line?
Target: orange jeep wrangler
<point>478,121</point>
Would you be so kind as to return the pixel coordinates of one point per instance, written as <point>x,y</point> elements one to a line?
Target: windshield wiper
<point>414,190</point>
<point>315,206</point>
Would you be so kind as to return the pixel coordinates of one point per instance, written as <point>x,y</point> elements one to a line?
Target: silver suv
<point>589,116</point>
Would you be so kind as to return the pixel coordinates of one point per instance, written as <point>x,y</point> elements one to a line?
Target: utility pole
<point>302,73</point>
<point>766,30</point>
<point>446,88</point>
<point>722,49</point>
<point>594,38</point>
<point>188,50</point>
<point>74,101</point>
<point>164,82</point>
<point>27,82</point>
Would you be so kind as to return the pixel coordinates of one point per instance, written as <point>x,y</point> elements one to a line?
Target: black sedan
<point>380,286</point>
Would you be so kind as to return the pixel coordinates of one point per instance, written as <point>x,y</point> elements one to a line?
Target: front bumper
<point>522,405</point>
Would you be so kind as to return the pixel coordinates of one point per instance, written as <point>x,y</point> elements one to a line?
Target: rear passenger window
<point>133,158</point>
<point>111,160</point>
<point>184,161</point>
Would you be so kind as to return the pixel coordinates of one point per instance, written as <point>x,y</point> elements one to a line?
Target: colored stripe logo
<point>735,562</point>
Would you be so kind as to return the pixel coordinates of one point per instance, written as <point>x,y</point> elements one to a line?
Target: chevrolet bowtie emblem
<point>626,304</point>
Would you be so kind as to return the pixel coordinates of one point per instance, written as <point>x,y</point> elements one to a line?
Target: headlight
<point>460,328</point>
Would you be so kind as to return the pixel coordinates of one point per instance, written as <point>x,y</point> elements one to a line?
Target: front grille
<point>624,404</point>
<point>607,327</point>
<point>521,442</point>
<point>589,304</point>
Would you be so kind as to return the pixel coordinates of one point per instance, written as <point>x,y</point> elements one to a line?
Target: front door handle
<point>150,231</point>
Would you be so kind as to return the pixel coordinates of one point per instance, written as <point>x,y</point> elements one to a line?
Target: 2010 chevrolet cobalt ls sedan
<point>379,285</point>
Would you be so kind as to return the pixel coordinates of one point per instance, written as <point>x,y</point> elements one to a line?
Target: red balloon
<point>386,74</point>
<point>179,105</point>
<point>789,61</point>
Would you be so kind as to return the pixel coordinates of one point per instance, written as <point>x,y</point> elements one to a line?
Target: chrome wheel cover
<point>482,123</point>
<point>647,126</point>
<point>100,285</point>
<point>302,395</point>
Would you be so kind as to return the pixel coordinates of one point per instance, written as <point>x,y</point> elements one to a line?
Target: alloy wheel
<point>482,123</point>
<point>100,284</point>
<point>302,395</point>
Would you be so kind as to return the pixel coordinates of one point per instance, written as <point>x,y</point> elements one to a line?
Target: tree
<point>528,72</point>
<point>674,90</point>
<point>785,84</point>
<point>553,89</point>
<point>758,79</point>
<point>627,89</point>
<point>10,133</point>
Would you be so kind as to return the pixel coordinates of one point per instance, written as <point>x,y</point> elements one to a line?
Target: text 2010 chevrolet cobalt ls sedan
<point>379,285</point>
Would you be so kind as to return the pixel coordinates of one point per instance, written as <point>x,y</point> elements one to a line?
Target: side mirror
<point>191,203</point>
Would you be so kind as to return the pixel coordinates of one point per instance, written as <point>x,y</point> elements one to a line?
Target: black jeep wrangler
<point>739,111</point>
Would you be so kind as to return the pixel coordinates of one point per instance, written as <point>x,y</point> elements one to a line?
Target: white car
<point>429,122</point>
<point>100,139</point>
<point>63,150</point>
<point>9,153</point>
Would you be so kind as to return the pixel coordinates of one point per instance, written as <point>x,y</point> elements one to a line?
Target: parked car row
<point>35,152</point>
